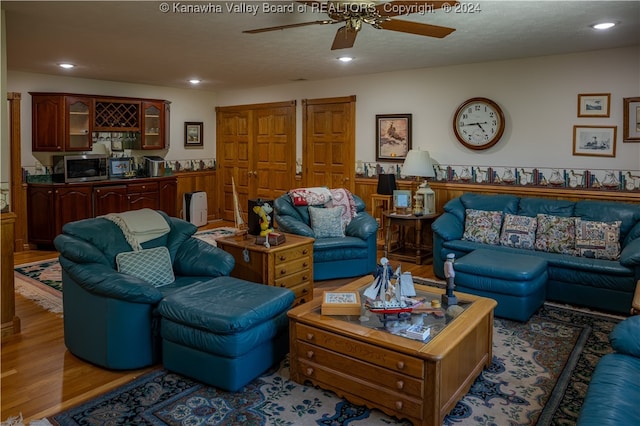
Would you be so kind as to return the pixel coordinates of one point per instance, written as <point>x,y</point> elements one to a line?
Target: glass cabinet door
<point>152,132</point>
<point>78,129</point>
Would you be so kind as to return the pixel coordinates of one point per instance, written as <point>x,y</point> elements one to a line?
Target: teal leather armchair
<point>110,318</point>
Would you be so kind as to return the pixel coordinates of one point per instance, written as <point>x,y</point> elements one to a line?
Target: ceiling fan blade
<point>345,38</point>
<point>406,7</point>
<point>284,27</point>
<point>416,28</point>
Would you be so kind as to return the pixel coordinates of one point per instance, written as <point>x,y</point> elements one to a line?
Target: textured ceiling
<point>136,42</point>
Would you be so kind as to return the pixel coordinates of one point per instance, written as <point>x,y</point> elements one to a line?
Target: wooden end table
<point>289,264</point>
<point>369,365</point>
<point>417,252</point>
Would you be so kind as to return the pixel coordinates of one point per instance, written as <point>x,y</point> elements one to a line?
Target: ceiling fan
<point>379,15</point>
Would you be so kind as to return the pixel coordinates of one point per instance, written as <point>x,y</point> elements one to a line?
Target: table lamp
<point>418,163</point>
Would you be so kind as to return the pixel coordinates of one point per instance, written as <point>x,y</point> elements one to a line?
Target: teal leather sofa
<point>595,283</point>
<point>353,255</point>
<point>614,390</point>
<point>110,318</point>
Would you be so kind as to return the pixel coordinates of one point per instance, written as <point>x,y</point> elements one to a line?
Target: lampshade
<point>418,163</point>
<point>386,184</point>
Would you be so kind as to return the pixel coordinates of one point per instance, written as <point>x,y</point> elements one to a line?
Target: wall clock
<point>478,123</point>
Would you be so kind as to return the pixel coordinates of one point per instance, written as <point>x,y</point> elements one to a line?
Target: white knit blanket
<point>139,226</point>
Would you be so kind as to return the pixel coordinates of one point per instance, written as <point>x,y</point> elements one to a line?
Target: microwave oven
<point>80,168</point>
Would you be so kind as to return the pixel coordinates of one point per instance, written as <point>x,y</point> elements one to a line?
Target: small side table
<point>379,204</point>
<point>402,250</point>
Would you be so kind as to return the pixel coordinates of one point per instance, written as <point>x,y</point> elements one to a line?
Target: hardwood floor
<point>40,377</point>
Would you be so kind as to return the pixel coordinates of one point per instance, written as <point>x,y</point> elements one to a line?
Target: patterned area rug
<point>42,281</point>
<point>539,375</point>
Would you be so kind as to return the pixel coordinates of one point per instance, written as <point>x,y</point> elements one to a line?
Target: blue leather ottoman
<point>516,281</point>
<point>225,332</point>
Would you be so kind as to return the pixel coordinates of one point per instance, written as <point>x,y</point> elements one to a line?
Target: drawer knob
<point>305,277</point>
<point>309,336</point>
<point>305,290</point>
<point>283,271</point>
<point>305,264</point>
<point>283,258</point>
<point>310,354</point>
<point>400,384</point>
<point>305,251</point>
<point>309,371</point>
<point>283,285</point>
<point>400,365</point>
<point>399,405</point>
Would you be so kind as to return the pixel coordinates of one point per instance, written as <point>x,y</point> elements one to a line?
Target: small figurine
<point>449,298</point>
<point>263,212</point>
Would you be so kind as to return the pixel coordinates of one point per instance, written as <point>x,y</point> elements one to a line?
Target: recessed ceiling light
<point>195,81</point>
<point>604,25</point>
<point>66,65</point>
<point>345,59</point>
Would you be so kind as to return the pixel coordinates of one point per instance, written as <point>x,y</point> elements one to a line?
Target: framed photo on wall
<point>631,132</point>
<point>193,134</point>
<point>598,141</point>
<point>393,137</point>
<point>594,105</point>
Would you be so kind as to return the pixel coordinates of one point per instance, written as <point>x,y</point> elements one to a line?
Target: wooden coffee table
<point>368,365</point>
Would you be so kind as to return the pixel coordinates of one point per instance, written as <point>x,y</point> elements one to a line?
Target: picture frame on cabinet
<point>631,131</point>
<point>401,200</point>
<point>594,104</point>
<point>193,133</point>
<point>597,141</point>
<point>393,137</point>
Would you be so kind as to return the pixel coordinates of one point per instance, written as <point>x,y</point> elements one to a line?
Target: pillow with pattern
<point>152,265</point>
<point>326,222</point>
<point>556,234</point>
<point>482,226</point>
<point>518,231</point>
<point>598,240</point>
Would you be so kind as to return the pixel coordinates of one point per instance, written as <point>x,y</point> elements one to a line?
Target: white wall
<point>186,105</point>
<point>538,96</point>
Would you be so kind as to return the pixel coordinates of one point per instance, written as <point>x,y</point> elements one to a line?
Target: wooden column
<point>18,202</point>
<point>9,322</point>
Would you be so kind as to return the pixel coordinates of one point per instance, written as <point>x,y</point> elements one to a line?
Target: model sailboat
<point>239,223</point>
<point>383,297</point>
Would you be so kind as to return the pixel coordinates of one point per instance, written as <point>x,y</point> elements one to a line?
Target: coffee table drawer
<point>394,381</point>
<point>363,351</point>
<point>293,253</point>
<point>391,402</point>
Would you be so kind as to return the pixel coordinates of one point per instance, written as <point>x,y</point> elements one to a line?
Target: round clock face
<point>478,123</point>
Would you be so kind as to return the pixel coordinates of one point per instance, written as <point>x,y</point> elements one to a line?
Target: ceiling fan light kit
<point>379,15</point>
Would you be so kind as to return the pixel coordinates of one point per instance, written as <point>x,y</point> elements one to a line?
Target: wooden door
<point>274,151</point>
<point>256,147</point>
<point>233,128</point>
<point>328,145</point>
<point>110,199</point>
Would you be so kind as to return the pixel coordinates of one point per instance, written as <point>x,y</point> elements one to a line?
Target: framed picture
<point>193,134</point>
<point>598,141</point>
<point>393,137</point>
<point>594,105</point>
<point>401,199</point>
<point>631,131</point>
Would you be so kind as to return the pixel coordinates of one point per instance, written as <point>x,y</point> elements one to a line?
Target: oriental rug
<point>539,375</point>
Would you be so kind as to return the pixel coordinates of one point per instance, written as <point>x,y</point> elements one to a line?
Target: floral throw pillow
<point>519,231</point>
<point>556,234</point>
<point>482,226</point>
<point>599,240</point>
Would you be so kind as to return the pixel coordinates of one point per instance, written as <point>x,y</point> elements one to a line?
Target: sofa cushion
<point>326,222</point>
<point>625,337</point>
<point>152,265</point>
<point>518,231</point>
<point>535,206</point>
<point>482,226</point>
<point>556,234</point>
<point>599,240</point>
<point>503,203</point>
